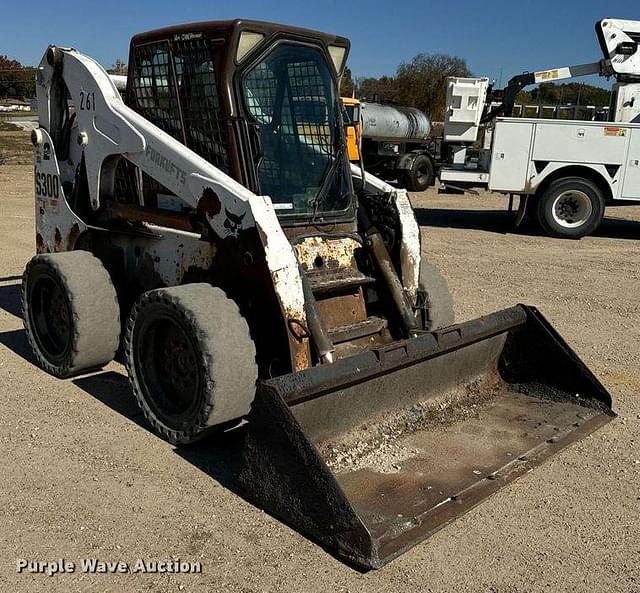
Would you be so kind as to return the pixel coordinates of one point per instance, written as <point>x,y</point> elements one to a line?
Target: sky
<point>498,39</point>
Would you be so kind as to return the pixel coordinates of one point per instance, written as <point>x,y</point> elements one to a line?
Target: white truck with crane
<point>564,172</point>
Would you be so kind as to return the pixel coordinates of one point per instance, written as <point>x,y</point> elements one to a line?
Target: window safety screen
<point>163,94</point>
<point>199,99</point>
<point>154,90</point>
<point>290,96</point>
<point>174,86</point>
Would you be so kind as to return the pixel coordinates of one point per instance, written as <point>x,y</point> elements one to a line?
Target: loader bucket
<point>372,454</point>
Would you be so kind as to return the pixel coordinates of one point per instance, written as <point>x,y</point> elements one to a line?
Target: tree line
<point>16,80</point>
<point>419,83</point>
<point>19,81</point>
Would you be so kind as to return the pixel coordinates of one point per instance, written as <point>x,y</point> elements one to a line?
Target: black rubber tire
<point>206,376</point>
<point>421,175</point>
<point>545,206</point>
<point>70,312</point>
<point>435,305</point>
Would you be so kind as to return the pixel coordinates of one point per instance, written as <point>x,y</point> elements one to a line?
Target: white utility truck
<point>565,172</point>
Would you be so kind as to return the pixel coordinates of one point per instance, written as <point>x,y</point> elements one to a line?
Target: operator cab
<point>257,100</point>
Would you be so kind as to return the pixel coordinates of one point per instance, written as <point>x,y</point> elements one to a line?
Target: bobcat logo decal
<point>233,223</point>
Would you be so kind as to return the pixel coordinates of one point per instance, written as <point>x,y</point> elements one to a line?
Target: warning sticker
<point>608,131</point>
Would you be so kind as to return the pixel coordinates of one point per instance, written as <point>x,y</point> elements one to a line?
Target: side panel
<point>510,156</point>
<point>631,184</point>
<point>576,143</point>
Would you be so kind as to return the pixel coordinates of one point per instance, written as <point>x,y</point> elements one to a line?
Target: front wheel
<point>190,359</point>
<point>570,208</point>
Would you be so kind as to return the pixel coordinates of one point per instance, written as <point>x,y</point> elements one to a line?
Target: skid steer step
<point>376,452</point>
<point>368,327</point>
<point>327,282</point>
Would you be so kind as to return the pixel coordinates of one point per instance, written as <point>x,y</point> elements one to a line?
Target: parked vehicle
<point>565,172</point>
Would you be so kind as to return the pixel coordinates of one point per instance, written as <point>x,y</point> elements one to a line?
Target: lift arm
<point>520,81</point>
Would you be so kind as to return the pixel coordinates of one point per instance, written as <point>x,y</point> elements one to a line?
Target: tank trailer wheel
<point>421,175</point>
<point>70,312</point>
<point>191,361</point>
<point>435,302</point>
<point>571,208</point>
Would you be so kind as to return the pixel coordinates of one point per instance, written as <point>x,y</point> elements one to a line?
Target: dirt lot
<point>83,477</point>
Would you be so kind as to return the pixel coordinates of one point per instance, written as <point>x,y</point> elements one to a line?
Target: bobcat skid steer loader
<point>208,223</point>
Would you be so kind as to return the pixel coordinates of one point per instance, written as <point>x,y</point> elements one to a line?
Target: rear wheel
<point>421,174</point>
<point>435,303</point>
<point>70,312</point>
<point>190,359</point>
<point>570,208</point>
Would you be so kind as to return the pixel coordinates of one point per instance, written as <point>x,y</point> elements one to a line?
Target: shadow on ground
<point>500,221</point>
<point>219,455</point>
<point>16,341</point>
<point>10,297</point>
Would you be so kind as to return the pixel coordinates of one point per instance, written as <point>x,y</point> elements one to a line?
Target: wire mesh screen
<point>289,95</point>
<point>200,102</point>
<point>125,189</point>
<point>175,88</point>
<point>153,88</point>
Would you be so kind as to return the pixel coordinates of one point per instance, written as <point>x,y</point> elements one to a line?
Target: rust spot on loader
<point>319,252</point>
<point>57,241</point>
<point>209,203</point>
<point>39,243</point>
<point>73,236</point>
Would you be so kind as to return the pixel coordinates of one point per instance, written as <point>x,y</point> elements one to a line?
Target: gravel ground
<point>83,477</point>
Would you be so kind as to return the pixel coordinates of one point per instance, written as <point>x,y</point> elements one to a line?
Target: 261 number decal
<point>87,101</point>
<point>47,185</point>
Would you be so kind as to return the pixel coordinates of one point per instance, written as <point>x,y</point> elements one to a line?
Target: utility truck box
<point>526,152</point>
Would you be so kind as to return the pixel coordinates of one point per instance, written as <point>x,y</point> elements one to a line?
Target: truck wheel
<point>70,311</point>
<point>435,303</point>
<point>421,174</point>
<point>570,208</point>
<point>190,359</point>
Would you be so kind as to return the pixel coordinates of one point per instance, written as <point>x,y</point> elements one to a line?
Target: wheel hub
<point>167,366</point>
<point>572,209</point>
<point>50,316</point>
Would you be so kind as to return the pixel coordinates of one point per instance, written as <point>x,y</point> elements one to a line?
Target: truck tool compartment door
<point>510,157</point>
<point>631,186</point>
<point>580,142</point>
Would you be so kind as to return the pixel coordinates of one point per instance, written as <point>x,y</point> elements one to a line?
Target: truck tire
<point>190,359</point>
<point>570,208</point>
<point>421,174</point>
<point>435,303</point>
<point>70,312</point>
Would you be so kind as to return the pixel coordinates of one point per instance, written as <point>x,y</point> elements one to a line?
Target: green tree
<point>421,83</point>
<point>377,89</point>
<point>347,84</point>
<point>15,79</point>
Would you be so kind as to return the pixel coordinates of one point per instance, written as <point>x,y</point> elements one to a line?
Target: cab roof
<point>228,27</point>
